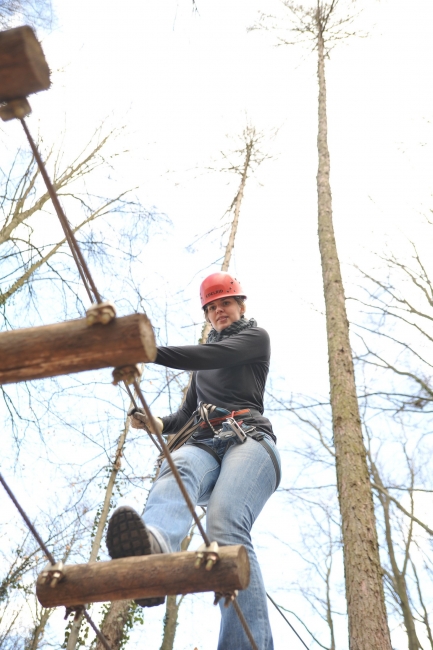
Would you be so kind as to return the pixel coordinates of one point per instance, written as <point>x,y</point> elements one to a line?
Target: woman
<point>229,465</point>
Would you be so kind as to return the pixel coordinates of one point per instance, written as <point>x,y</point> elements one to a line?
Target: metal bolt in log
<point>103,313</point>
<point>127,374</point>
<point>16,109</point>
<point>72,346</point>
<point>146,576</point>
<point>23,69</point>
<point>52,574</point>
<point>207,554</point>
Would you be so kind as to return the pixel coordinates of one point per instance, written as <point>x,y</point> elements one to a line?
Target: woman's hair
<point>239,299</point>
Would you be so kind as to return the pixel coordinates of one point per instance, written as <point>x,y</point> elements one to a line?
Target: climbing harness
<point>199,424</point>
<point>229,425</point>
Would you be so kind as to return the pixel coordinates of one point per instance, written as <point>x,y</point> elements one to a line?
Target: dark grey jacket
<point>231,374</point>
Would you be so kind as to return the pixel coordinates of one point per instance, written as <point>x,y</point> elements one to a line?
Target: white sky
<point>181,82</point>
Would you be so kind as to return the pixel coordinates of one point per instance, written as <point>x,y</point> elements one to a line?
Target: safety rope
<point>244,624</point>
<point>51,559</point>
<point>169,458</point>
<point>96,629</point>
<point>155,430</point>
<point>29,524</point>
<point>131,395</point>
<point>287,621</point>
<point>94,296</point>
<point>83,269</point>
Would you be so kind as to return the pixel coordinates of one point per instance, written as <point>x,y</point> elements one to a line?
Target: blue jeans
<point>234,493</point>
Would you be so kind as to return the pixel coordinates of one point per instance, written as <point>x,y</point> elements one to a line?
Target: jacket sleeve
<point>249,346</point>
<point>175,421</point>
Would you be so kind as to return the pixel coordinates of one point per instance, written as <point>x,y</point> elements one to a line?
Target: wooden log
<point>23,69</point>
<point>73,346</point>
<point>146,576</point>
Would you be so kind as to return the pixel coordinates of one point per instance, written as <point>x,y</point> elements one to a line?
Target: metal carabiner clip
<point>236,430</point>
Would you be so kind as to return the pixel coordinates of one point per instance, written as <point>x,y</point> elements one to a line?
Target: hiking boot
<point>128,536</point>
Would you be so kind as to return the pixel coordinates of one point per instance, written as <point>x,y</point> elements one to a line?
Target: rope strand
<point>135,406</point>
<point>169,458</point>
<point>83,269</point>
<point>49,555</point>
<point>96,630</point>
<point>287,621</point>
<point>30,526</point>
<point>245,625</point>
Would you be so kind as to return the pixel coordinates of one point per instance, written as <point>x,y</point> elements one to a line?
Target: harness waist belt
<point>216,421</point>
<point>200,426</point>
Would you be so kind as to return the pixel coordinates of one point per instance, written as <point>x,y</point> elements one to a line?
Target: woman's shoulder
<point>256,331</point>
<point>257,334</point>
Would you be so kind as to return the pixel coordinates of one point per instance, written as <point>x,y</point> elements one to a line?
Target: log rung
<point>73,346</point>
<point>146,576</point>
<point>23,69</point>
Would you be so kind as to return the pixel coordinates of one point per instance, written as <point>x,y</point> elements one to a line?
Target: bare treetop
<point>305,23</point>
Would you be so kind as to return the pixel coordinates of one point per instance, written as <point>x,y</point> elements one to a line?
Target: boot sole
<point>127,536</point>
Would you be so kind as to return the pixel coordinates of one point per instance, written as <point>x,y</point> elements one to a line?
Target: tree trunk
<point>170,623</point>
<point>398,577</point>
<point>399,581</point>
<point>237,202</point>
<point>329,618</point>
<point>425,614</point>
<point>114,623</point>
<point>368,627</point>
<point>38,632</point>
<point>113,617</point>
<point>172,606</point>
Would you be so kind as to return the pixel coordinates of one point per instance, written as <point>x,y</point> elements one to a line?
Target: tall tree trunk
<point>113,625</point>
<point>76,625</point>
<point>425,614</point>
<point>38,632</point>
<point>170,623</point>
<point>172,607</point>
<point>329,618</point>
<point>237,205</point>
<point>368,627</point>
<point>398,577</point>
<point>237,202</point>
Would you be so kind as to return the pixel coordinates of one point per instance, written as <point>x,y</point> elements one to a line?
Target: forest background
<point>160,96</point>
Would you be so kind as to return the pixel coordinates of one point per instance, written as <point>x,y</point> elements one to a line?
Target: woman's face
<point>223,312</point>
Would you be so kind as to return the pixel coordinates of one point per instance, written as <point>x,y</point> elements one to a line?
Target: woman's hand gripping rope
<point>139,420</point>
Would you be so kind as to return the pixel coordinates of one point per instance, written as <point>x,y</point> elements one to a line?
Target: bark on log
<point>73,346</point>
<point>146,576</point>
<point>23,69</point>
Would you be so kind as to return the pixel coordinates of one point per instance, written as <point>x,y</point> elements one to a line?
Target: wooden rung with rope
<point>73,346</point>
<point>145,576</point>
<point>23,69</point>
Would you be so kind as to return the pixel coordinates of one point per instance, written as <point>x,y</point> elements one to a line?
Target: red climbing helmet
<point>219,285</point>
